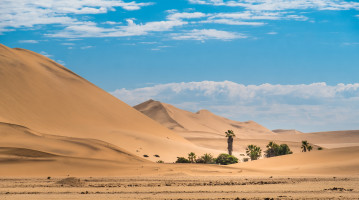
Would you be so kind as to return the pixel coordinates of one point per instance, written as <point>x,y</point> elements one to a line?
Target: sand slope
<point>46,97</point>
<point>343,161</point>
<point>200,124</point>
<point>329,139</point>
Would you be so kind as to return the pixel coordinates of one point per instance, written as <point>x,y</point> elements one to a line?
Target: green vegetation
<point>207,158</point>
<point>192,157</point>
<point>160,161</point>
<point>306,146</point>
<point>226,159</point>
<point>274,149</point>
<point>182,160</point>
<point>254,152</point>
<point>230,135</point>
<point>284,149</point>
<point>320,148</point>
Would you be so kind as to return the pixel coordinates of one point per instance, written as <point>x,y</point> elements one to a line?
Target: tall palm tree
<point>192,157</point>
<point>230,135</point>
<point>254,152</point>
<point>305,146</point>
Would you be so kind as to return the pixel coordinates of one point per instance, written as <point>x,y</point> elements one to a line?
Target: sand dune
<point>329,139</point>
<point>287,131</point>
<point>200,124</point>
<point>339,161</point>
<point>46,97</point>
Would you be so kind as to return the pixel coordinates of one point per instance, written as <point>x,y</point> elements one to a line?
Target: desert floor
<point>181,187</point>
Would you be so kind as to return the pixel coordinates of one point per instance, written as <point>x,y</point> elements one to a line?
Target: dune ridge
<point>200,124</point>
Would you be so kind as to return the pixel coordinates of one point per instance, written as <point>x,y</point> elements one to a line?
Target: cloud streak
<point>265,5</point>
<point>27,13</point>
<point>307,107</point>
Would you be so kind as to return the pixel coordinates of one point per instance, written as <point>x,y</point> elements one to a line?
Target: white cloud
<point>44,53</point>
<point>61,62</point>
<point>232,22</point>
<point>185,15</point>
<point>206,34</point>
<point>29,41</point>
<point>27,13</point>
<point>90,29</point>
<point>307,107</point>
<point>68,44</point>
<point>272,33</point>
<point>283,4</point>
<point>86,47</point>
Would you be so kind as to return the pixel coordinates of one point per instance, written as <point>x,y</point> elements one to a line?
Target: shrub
<point>245,159</point>
<point>284,150</point>
<point>192,157</point>
<point>320,148</point>
<point>226,159</point>
<point>254,152</point>
<point>274,149</point>
<point>182,160</point>
<point>160,161</point>
<point>206,159</point>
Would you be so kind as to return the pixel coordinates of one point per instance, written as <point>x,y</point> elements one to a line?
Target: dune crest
<point>200,124</point>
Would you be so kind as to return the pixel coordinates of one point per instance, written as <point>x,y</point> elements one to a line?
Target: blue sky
<point>282,63</point>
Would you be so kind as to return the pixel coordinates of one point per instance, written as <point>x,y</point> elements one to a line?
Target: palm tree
<point>230,135</point>
<point>306,146</point>
<point>272,149</point>
<point>192,157</point>
<point>253,151</point>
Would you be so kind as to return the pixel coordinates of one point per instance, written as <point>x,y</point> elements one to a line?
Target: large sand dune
<point>46,97</point>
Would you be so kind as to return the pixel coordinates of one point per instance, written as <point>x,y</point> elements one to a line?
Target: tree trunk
<point>230,145</point>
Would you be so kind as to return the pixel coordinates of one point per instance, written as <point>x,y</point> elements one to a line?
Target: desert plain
<point>62,137</point>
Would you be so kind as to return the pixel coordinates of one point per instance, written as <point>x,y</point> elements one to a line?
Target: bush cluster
<point>223,159</point>
<point>274,149</point>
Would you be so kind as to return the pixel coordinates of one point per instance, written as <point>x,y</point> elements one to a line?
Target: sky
<point>290,64</point>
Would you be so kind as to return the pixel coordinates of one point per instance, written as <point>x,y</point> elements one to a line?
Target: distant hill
<point>200,124</point>
<point>287,131</point>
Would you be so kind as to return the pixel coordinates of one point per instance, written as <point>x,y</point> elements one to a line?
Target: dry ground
<point>182,187</point>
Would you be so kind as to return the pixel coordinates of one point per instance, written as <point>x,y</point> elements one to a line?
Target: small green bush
<point>206,159</point>
<point>182,160</point>
<point>226,159</point>
<point>320,148</point>
<point>160,161</point>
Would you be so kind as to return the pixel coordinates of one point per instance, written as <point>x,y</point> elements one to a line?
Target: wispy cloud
<point>44,53</point>
<point>27,13</point>
<point>29,41</point>
<point>307,107</point>
<point>86,47</point>
<point>206,34</point>
<point>90,29</point>
<point>282,4</point>
<point>272,33</point>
